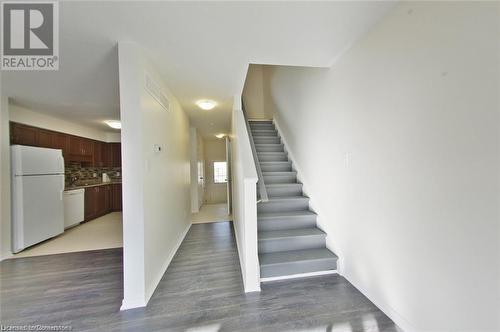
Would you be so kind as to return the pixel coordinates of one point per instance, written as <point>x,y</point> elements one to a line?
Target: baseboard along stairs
<point>290,243</point>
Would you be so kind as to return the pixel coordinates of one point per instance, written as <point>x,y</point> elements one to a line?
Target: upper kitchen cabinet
<point>27,135</point>
<point>53,140</point>
<point>107,155</point>
<point>81,146</point>
<point>112,155</point>
<point>45,138</point>
<point>87,147</point>
<point>80,150</point>
<point>116,149</point>
<point>23,135</point>
<point>98,159</point>
<point>60,141</point>
<point>75,145</point>
<point>74,148</point>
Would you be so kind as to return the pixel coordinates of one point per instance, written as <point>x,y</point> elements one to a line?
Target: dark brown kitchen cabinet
<point>90,203</point>
<point>87,147</point>
<point>116,151</point>
<point>75,149</point>
<point>108,199</point>
<point>81,146</point>
<point>95,202</point>
<point>53,140</point>
<point>100,200</point>
<point>112,155</point>
<point>61,141</point>
<point>107,155</point>
<point>97,159</point>
<point>75,145</point>
<point>23,134</point>
<point>45,138</point>
<point>116,204</point>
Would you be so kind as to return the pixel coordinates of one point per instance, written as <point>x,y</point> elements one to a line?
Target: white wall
<point>398,146</point>
<point>5,232</point>
<point>215,150</point>
<point>156,185</point>
<point>254,93</point>
<point>33,118</point>
<point>244,200</point>
<point>197,169</point>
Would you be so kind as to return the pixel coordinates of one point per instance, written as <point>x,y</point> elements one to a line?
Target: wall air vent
<point>154,90</point>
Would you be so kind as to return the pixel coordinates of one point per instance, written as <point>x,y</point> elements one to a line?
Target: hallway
<point>211,213</point>
<point>201,291</point>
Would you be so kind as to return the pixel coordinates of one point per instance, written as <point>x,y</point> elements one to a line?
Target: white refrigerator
<point>37,195</point>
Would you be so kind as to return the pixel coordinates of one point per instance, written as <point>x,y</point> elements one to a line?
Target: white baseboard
<point>299,275</point>
<point>132,304</point>
<point>149,292</point>
<point>6,256</point>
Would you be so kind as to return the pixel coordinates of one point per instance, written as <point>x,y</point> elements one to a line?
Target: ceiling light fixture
<point>220,135</point>
<point>115,124</point>
<point>206,104</point>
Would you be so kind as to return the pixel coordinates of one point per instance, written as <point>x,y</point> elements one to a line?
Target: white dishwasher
<point>74,202</point>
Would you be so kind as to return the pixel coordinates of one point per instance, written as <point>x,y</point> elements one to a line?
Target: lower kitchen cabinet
<point>100,200</point>
<point>90,203</point>
<point>116,204</point>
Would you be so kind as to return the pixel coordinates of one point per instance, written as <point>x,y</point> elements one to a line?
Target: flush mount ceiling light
<point>220,135</point>
<point>206,104</point>
<point>115,124</point>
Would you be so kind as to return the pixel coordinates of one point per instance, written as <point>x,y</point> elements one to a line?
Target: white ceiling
<point>202,49</point>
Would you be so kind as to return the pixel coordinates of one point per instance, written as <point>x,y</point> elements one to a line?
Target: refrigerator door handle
<point>62,188</point>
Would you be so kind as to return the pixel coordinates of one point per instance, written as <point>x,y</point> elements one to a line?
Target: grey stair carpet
<point>289,240</point>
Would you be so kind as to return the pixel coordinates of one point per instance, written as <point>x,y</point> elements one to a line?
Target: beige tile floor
<point>107,232</point>
<point>101,233</point>
<point>211,213</point>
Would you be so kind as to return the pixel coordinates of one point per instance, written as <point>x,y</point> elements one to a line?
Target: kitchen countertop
<point>93,185</point>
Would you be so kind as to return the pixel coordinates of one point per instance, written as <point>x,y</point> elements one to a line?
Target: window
<point>220,172</point>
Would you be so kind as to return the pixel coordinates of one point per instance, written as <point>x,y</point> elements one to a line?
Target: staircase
<point>289,241</point>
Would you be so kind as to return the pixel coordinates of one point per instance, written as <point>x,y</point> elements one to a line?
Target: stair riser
<point>286,223</point>
<point>284,191</point>
<point>292,243</point>
<point>283,206</point>
<point>270,148</point>
<point>278,167</point>
<point>270,179</point>
<point>258,132</point>
<point>284,269</point>
<point>273,157</point>
<point>266,140</point>
<point>268,126</point>
<point>263,128</point>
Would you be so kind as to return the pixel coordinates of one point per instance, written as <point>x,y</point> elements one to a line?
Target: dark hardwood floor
<point>201,291</point>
